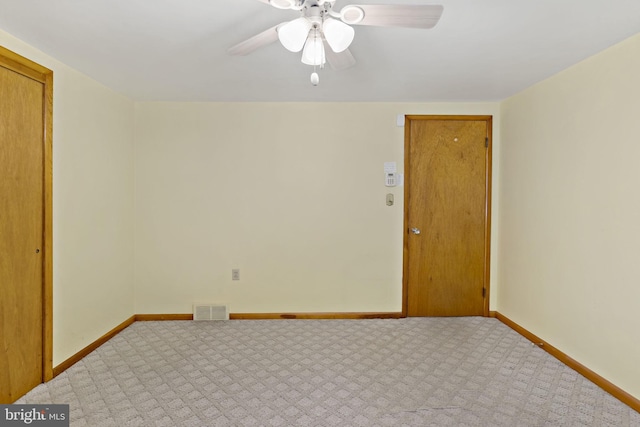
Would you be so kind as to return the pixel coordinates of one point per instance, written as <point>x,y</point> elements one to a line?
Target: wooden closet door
<point>21,233</point>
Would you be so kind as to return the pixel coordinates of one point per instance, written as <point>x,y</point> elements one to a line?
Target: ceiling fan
<point>324,34</point>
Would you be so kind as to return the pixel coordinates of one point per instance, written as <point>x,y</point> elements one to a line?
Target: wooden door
<point>24,250</point>
<point>447,199</point>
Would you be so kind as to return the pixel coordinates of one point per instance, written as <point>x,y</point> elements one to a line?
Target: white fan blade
<point>264,38</point>
<point>412,16</point>
<point>339,61</point>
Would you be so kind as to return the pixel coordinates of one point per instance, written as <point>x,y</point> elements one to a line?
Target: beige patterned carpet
<point>406,372</point>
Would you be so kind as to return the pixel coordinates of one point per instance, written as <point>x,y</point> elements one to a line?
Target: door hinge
<point>484,292</point>
<point>486,142</point>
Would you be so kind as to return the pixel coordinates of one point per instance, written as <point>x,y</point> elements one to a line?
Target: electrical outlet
<point>235,274</point>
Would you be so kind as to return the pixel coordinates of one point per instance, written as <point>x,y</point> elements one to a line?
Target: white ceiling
<point>175,50</point>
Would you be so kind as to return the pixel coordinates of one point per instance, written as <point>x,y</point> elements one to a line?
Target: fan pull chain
<point>315,78</point>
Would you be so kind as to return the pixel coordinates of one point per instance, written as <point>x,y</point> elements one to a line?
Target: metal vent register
<point>210,312</point>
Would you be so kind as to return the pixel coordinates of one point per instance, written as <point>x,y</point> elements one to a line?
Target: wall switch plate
<point>235,274</point>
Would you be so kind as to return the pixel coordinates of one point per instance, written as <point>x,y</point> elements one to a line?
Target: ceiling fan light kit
<point>338,34</point>
<point>323,34</point>
<point>351,15</point>
<point>293,34</point>
<point>283,4</point>
<point>313,53</point>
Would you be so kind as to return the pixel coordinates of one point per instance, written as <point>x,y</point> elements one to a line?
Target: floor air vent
<point>210,312</point>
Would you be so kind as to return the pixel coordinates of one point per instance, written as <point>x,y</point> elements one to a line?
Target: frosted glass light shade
<point>293,34</point>
<point>282,4</point>
<point>313,53</point>
<point>352,14</point>
<point>338,34</point>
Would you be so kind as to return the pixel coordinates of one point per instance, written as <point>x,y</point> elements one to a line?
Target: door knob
<point>415,230</point>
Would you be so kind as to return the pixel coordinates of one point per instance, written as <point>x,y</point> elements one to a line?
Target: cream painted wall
<point>92,205</point>
<point>569,267</point>
<point>292,194</point>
